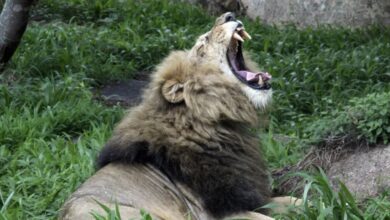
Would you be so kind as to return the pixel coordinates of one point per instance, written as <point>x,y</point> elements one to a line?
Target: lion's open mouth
<point>260,80</point>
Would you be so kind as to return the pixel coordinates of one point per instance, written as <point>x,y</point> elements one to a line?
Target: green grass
<point>320,70</point>
<point>51,129</point>
<point>50,134</point>
<point>106,40</point>
<point>363,119</point>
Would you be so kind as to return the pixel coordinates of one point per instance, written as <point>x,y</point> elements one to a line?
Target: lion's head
<point>222,46</point>
<point>213,80</point>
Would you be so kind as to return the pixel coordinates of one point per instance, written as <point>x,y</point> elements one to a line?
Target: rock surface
<point>217,7</point>
<point>364,173</point>
<point>350,13</point>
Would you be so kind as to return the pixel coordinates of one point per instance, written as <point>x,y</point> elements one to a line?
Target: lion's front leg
<point>283,202</point>
<point>249,215</point>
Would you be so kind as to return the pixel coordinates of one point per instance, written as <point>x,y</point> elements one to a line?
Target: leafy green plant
<point>110,214</point>
<point>115,214</point>
<point>280,151</point>
<point>366,118</point>
<point>378,208</point>
<point>320,201</point>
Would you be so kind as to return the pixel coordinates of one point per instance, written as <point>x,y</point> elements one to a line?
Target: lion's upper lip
<point>235,58</point>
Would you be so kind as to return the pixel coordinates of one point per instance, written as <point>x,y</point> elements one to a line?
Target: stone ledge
<point>303,13</point>
<point>366,174</point>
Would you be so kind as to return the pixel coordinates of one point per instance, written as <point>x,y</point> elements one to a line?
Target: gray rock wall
<point>353,13</point>
<point>217,7</point>
<point>366,174</point>
<point>350,13</point>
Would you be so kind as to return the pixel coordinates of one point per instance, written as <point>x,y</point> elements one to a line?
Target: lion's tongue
<point>254,77</point>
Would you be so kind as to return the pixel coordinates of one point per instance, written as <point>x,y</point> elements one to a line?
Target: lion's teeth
<point>238,37</point>
<point>246,35</point>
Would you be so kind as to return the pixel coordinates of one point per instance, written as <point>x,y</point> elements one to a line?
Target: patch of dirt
<point>125,93</point>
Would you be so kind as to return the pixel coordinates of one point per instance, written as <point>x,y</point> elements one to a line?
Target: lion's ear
<point>173,91</point>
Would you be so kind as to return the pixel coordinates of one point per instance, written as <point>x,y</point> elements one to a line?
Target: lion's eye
<point>230,17</point>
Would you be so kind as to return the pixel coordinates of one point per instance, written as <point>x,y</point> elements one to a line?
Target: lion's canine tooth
<point>246,35</point>
<point>238,37</point>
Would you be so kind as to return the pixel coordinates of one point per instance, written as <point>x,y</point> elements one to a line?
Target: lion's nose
<point>230,16</point>
<point>265,76</point>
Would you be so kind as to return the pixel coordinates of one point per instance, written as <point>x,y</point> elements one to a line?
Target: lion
<point>187,149</point>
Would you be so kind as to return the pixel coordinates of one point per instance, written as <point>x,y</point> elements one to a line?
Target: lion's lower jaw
<point>259,98</point>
